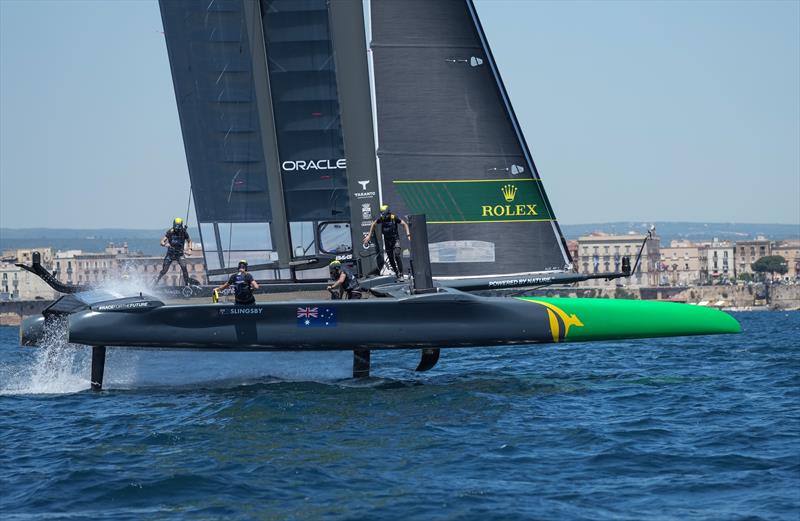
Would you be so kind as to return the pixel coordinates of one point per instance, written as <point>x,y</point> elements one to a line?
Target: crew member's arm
<point>408,231</point>
<point>164,240</point>
<point>227,284</point>
<point>189,244</point>
<point>371,229</point>
<point>253,283</point>
<point>339,282</point>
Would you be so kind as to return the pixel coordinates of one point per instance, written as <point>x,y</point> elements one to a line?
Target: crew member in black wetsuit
<point>174,240</point>
<point>243,285</point>
<point>344,284</point>
<point>391,237</point>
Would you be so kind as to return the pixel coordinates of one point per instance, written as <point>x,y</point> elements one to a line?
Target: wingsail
<point>450,146</point>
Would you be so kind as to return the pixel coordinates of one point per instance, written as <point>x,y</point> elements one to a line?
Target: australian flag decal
<point>316,317</point>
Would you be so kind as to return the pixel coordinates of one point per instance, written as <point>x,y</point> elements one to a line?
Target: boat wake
<point>67,369</point>
<point>58,367</point>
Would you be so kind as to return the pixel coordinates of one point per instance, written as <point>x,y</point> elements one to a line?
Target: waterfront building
<point>599,253</point>
<point>78,267</point>
<point>720,266</point>
<point>572,247</point>
<point>681,264</point>
<point>25,255</point>
<point>18,284</point>
<point>747,252</point>
<point>789,250</point>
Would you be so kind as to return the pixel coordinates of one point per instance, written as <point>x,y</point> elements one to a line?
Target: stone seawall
<point>12,312</point>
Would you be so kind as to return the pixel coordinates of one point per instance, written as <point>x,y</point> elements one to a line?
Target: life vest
<point>242,288</point>
<point>350,281</point>
<point>389,226</point>
<point>176,239</point>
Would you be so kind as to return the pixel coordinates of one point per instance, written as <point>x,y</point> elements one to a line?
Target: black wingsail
<point>449,144</point>
<point>308,129</point>
<point>256,88</point>
<point>216,57</point>
<point>276,103</point>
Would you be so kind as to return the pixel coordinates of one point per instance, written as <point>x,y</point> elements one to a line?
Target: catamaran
<point>299,119</point>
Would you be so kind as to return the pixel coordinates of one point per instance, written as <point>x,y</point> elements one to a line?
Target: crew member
<point>344,284</point>
<point>174,240</point>
<point>391,237</point>
<point>243,285</point>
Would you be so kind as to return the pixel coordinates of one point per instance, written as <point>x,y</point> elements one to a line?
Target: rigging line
<point>188,205</point>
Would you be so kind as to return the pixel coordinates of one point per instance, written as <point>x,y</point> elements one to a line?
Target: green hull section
<point>585,319</point>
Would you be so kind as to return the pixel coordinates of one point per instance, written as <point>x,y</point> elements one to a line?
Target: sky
<point>642,111</point>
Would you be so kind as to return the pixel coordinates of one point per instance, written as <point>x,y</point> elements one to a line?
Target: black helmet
<point>242,264</point>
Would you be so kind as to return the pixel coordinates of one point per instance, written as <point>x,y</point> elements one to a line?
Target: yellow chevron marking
<point>553,325</point>
<point>569,320</point>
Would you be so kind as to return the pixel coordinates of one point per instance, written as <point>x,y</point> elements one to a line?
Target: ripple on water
<point>694,428</point>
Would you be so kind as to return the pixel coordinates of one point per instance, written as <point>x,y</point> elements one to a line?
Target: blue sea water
<point>674,428</point>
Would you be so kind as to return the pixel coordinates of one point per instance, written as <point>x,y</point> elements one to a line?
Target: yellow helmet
<point>335,264</point>
<point>177,222</point>
<point>384,208</point>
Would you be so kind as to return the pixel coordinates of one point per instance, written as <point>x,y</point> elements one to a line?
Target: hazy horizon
<point>634,111</point>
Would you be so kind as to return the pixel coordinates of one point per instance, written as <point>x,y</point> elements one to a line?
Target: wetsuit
<point>176,238</point>
<point>390,224</point>
<point>242,288</point>
<point>348,288</point>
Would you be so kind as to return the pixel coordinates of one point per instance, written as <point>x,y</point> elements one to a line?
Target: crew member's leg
<point>390,244</point>
<point>379,255</point>
<point>164,267</point>
<point>182,263</point>
<point>398,254</point>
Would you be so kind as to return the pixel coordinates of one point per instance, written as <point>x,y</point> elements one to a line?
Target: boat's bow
<point>588,319</point>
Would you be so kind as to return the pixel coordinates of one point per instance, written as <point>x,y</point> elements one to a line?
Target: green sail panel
<point>475,201</point>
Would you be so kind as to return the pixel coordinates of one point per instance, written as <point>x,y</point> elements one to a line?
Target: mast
<point>350,53</point>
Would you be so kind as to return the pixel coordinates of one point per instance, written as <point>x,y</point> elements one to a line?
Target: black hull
<point>424,321</point>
